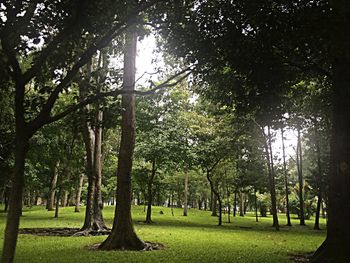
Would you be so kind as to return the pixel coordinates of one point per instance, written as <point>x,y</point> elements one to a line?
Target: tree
<point>123,235</point>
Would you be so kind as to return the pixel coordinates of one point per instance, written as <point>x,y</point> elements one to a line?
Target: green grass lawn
<point>195,238</point>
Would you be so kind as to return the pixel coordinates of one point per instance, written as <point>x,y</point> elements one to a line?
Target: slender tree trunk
<point>228,204</point>
<point>214,205</point>
<point>172,203</point>
<point>58,196</point>
<point>15,202</point>
<point>289,223</point>
<point>319,184</point>
<point>123,235</point>
<point>300,180</point>
<point>186,193</point>
<point>78,193</point>
<point>216,196</point>
<point>150,193</point>
<point>271,171</point>
<point>88,137</point>
<point>235,204</point>
<point>241,204</point>
<point>53,187</point>
<point>65,198</point>
<point>256,206</point>
<point>98,223</point>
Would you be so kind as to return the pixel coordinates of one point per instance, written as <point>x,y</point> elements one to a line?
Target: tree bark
<point>256,206</point>
<point>271,171</point>
<point>150,193</point>
<point>15,202</point>
<point>336,246</point>
<point>53,187</point>
<point>98,223</point>
<point>57,207</point>
<point>289,223</point>
<point>78,193</point>
<point>235,204</point>
<point>241,204</point>
<point>216,196</point>
<point>300,180</point>
<point>186,194</point>
<point>123,235</point>
<point>319,183</point>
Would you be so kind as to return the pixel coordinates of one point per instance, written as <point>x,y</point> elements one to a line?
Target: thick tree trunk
<point>123,235</point>
<point>150,193</point>
<point>335,248</point>
<point>289,223</point>
<point>186,193</point>
<point>300,180</point>
<point>78,193</point>
<point>51,201</point>
<point>15,203</point>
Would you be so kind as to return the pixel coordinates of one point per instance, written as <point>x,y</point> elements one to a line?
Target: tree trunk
<point>216,196</point>
<point>214,205</point>
<point>228,204</point>
<point>271,171</point>
<point>78,193</point>
<point>235,204</point>
<point>319,184</point>
<point>300,180</point>
<point>289,223</point>
<point>7,192</point>
<point>256,206</point>
<point>186,193</point>
<point>58,196</point>
<point>15,202</point>
<point>150,193</point>
<point>65,198</point>
<point>123,235</point>
<point>241,204</point>
<point>98,223</point>
<point>336,246</point>
<point>51,201</point>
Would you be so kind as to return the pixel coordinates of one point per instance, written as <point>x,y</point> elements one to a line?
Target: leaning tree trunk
<point>186,193</point>
<point>15,202</point>
<point>150,192</point>
<point>123,235</point>
<point>289,223</point>
<point>336,246</point>
<point>300,179</point>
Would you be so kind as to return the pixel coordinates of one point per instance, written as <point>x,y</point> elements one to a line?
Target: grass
<point>195,238</point>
